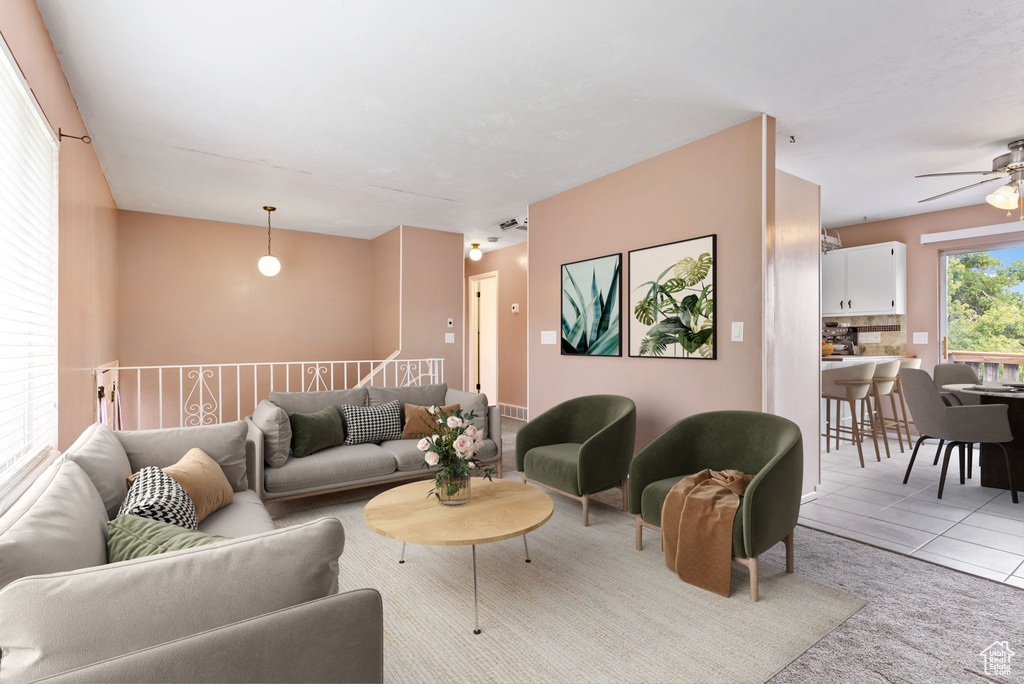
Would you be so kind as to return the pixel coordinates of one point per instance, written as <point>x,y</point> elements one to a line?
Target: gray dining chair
<point>956,374</point>
<point>957,425</point>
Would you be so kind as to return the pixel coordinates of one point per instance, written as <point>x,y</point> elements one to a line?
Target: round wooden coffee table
<point>497,510</point>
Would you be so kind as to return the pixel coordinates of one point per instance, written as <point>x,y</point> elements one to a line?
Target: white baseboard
<point>809,497</point>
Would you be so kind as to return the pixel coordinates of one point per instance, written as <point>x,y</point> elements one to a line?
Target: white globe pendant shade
<point>475,254</point>
<point>269,265</point>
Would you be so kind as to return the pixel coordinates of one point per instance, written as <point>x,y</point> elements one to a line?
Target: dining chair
<point>849,385</point>
<point>956,374</point>
<point>957,425</point>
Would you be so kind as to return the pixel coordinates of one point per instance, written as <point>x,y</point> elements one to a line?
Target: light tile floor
<point>974,529</point>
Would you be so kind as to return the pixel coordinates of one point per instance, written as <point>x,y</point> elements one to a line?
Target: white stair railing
<point>206,394</point>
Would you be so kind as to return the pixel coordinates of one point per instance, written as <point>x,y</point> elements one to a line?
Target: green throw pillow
<point>134,537</point>
<point>312,432</point>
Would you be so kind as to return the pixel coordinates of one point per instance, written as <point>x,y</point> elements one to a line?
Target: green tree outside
<point>985,313</point>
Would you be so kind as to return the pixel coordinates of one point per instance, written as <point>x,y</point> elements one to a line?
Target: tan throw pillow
<point>203,480</point>
<point>419,423</point>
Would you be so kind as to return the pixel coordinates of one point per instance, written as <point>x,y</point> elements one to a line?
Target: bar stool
<point>905,363</point>
<point>882,384</point>
<point>848,384</point>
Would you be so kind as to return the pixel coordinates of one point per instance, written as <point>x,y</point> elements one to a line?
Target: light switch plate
<point>737,331</point>
<point>449,338</point>
<point>548,337</point>
<point>870,338</point>
<point>920,338</point>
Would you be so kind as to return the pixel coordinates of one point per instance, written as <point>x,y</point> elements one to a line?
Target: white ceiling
<point>356,116</point>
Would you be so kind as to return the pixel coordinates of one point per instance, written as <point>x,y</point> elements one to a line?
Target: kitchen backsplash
<point>893,330</point>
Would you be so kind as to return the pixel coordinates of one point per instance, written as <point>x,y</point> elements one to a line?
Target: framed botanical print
<point>591,307</point>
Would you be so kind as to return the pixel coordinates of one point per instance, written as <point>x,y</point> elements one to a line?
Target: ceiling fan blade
<point>957,173</point>
<point>966,187</point>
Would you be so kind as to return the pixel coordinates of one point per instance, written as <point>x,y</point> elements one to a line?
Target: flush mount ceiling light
<point>269,264</point>
<point>1009,166</point>
<point>475,254</point>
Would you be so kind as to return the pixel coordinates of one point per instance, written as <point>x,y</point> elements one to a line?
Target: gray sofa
<point>261,606</point>
<point>279,476</point>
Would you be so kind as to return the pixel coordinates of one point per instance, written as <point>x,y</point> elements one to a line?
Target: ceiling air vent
<point>513,223</point>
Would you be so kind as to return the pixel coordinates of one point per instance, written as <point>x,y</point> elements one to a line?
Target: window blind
<point>28,277</point>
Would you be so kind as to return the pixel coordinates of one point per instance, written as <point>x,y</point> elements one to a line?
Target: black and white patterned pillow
<point>372,423</point>
<point>157,496</point>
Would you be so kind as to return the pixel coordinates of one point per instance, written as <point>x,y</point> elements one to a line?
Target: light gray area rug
<point>589,608</point>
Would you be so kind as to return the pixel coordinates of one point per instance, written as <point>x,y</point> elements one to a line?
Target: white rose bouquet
<point>453,447</point>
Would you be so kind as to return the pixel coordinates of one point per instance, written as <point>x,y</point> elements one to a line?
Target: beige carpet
<point>588,608</point>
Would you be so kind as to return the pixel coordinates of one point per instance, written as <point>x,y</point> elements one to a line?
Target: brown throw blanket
<point>696,527</point>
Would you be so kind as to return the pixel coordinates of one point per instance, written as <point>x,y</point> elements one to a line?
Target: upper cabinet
<point>864,281</point>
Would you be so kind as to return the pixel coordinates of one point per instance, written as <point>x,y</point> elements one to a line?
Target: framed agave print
<point>591,307</point>
<point>672,300</point>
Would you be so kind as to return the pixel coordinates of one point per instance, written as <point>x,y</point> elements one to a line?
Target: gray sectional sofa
<point>277,475</point>
<point>261,606</point>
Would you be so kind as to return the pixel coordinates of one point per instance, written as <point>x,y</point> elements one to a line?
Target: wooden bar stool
<point>882,384</point>
<point>898,390</point>
<point>849,385</point>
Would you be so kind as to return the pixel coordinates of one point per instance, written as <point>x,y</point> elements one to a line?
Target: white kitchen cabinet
<point>865,281</point>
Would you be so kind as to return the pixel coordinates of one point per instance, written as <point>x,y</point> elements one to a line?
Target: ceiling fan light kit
<point>1005,167</point>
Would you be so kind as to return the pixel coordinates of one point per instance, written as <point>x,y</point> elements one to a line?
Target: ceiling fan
<point>1009,166</point>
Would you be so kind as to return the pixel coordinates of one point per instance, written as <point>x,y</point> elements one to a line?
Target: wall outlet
<point>449,338</point>
<point>737,331</point>
<point>548,337</point>
<point>921,338</point>
<point>515,308</point>
<point>869,338</point>
<point>451,322</point>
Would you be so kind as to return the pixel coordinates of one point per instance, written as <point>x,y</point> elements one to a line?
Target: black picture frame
<point>597,339</point>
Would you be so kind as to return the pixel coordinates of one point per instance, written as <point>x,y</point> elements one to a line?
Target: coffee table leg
<point>476,605</point>
<point>402,559</point>
<point>527,547</point>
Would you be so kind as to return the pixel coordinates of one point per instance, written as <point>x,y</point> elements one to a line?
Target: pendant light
<point>269,264</point>
<point>475,254</point>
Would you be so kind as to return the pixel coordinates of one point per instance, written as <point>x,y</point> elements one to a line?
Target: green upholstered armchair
<point>580,447</point>
<point>760,444</point>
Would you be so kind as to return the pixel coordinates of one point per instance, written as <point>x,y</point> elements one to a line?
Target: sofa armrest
<point>57,622</point>
<point>494,427</point>
<point>254,457</point>
<point>339,638</point>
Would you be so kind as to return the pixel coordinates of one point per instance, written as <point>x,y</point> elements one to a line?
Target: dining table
<point>992,461</point>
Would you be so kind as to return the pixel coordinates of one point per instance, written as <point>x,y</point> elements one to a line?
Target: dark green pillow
<point>312,432</point>
<point>133,537</point>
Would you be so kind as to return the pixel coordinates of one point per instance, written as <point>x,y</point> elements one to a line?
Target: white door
<point>869,279</point>
<point>833,284</point>
<point>484,336</point>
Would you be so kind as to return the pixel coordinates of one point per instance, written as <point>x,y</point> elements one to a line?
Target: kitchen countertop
<point>865,356</point>
<point>829,362</point>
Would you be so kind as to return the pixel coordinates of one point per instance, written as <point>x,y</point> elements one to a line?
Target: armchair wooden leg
<point>751,565</point>
<point>586,510</point>
<point>625,495</point>
<point>789,552</point>
<point>639,535</point>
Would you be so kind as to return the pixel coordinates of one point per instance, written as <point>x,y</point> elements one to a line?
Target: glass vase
<point>453,490</point>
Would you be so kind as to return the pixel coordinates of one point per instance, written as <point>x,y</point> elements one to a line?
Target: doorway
<point>483,335</point>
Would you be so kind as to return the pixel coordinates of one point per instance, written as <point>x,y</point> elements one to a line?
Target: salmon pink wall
<point>511,264</point>
<point>386,294</point>
<point>923,261</point>
<point>88,226</point>
<point>432,277</point>
<point>713,185</point>
<point>189,292</point>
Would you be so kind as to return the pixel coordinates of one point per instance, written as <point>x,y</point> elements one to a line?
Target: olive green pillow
<point>133,537</point>
<point>312,432</point>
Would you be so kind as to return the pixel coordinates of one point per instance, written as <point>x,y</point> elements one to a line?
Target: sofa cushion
<point>133,537</point>
<point>556,465</point>
<point>311,402</point>
<point>99,453</point>
<point>156,495</point>
<point>364,424</point>
<point>421,395</point>
<point>488,451</point>
<point>407,456</point>
<point>224,443</point>
<point>203,480</point>
<point>272,420</point>
<point>59,524</point>
<point>246,515</point>
<point>471,402</point>
<point>334,466</point>
<point>312,432</point>
<point>418,422</point>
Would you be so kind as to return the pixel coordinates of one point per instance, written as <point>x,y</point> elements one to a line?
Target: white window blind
<point>28,277</point>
